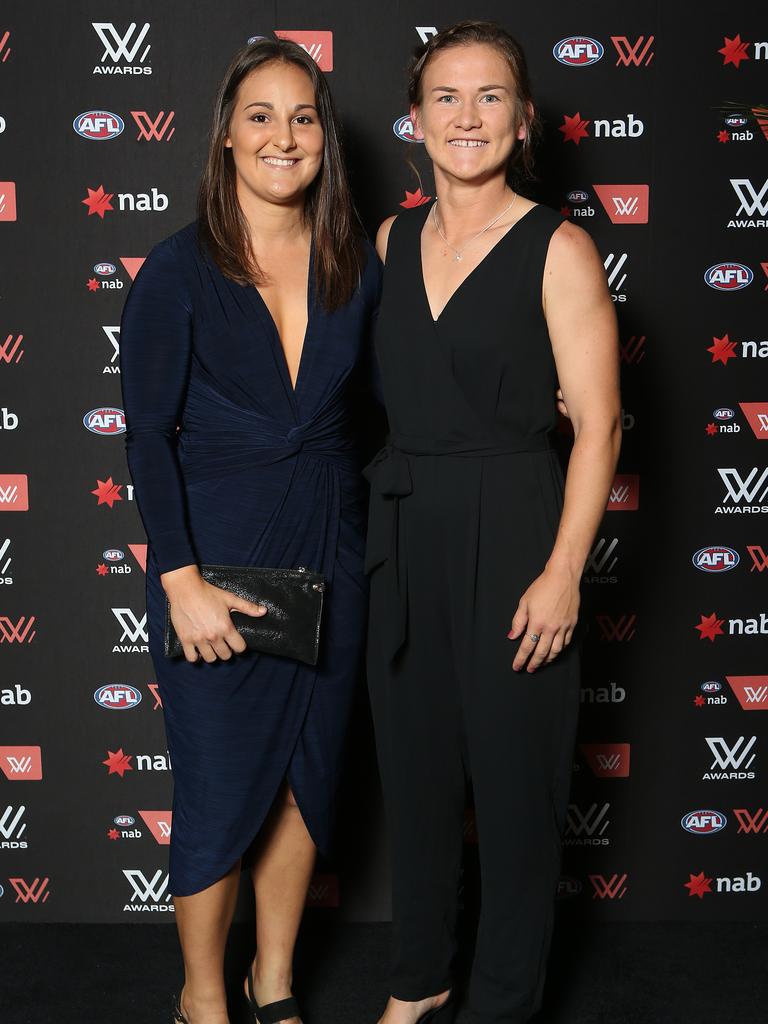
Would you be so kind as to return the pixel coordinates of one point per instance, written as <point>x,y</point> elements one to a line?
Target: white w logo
<point>751,202</point>
<point>598,559</point>
<point>3,548</point>
<point>9,494</point>
<point>9,822</point>
<point>113,333</point>
<point>132,627</point>
<point>730,757</point>
<point>744,488</point>
<point>625,207</point>
<point>613,274</point>
<point>144,889</point>
<point>109,35</point>
<point>756,694</point>
<point>608,762</point>
<point>587,824</point>
<point>19,765</point>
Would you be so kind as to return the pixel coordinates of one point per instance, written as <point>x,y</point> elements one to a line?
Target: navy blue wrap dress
<point>232,466</point>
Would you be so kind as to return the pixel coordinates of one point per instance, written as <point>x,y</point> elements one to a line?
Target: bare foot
<point>270,990</point>
<point>202,1011</point>
<point>398,1011</point>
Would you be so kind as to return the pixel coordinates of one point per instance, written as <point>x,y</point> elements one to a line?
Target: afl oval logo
<point>723,413</point>
<point>578,51</point>
<point>728,277</point>
<point>104,269</point>
<point>716,559</point>
<point>577,196</point>
<point>403,129</point>
<point>703,822</point>
<point>711,686</point>
<point>117,696</point>
<point>113,555</point>
<point>98,125</point>
<point>736,121</point>
<point>105,421</point>
<point>124,819</point>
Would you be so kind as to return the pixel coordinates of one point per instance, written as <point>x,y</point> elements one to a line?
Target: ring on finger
<point>534,637</point>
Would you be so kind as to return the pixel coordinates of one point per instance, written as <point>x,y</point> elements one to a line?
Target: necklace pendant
<point>457,257</point>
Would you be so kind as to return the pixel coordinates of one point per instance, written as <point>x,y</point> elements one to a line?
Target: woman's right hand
<point>200,615</point>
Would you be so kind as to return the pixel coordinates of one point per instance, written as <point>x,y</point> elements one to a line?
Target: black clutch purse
<point>294,603</point>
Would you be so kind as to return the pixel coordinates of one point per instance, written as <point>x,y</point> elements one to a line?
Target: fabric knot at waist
<point>219,436</point>
<point>389,474</point>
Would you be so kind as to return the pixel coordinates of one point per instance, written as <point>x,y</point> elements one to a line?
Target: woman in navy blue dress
<point>247,331</point>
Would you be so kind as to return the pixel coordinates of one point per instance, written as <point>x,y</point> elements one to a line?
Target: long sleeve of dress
<point>155,352</point>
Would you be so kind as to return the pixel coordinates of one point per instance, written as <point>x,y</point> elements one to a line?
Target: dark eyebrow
<point>483,88</point>
<point>270,106</point>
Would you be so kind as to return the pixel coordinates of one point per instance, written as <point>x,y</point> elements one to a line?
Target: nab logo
<point>126,51</point>
<point>98,125</point>
<point>716,559</point>
<point>14,493</point>
<point>99,201</point>
<point>157,128</point>
<point>117,696</point>
<point>319,45</point>
<point>105,420</point>
<point>613,888</point>
<point>728,277</point>
<point>578,51</point>
<point>625,493</point>
<point>404,130</point>
<point>750,691</point>
<point>703,823</point>
<point>21,764</point>
<point>624,204</point>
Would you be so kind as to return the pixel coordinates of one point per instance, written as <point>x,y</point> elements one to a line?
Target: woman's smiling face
<point>468,115</point>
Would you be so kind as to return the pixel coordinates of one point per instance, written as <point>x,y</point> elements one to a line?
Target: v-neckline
<point>455,292</point>
<point>293,387</point>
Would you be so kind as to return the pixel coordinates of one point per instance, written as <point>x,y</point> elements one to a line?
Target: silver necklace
<point>460,252</point>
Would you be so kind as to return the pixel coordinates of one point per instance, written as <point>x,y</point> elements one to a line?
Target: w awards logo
<point>12,829</point>
<point>587,828</point>
<point>625,204</point>
<point>607,760</point>
<point>126,52</point>
<point>159,824</point>
<point>148,894</point>
<point>731,761</point>
<point>21,764</point>
<point>604,888</point>
<point>134,631</point>
<point>753,204</point>
<point>36,891</point>
<point>750,691</point>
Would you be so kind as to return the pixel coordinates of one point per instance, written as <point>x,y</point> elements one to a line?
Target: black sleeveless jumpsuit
<point>465,503</point>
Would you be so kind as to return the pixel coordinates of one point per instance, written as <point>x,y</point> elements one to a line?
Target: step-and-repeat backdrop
<point>656,138</point>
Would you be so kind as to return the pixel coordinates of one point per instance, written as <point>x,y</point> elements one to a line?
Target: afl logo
<point>728,277</point>
<point>98,125</point>
<point>403,129</point>
<point>113,555</point>
<point>104,269</point>
<point>711,686</point>
<point>578,51</point>
<point>704,822</point>
<point>723,413</point>
<point>716,559</point>
<point>117,696</point>
<point>577,196</point>
<point>124,819</point>
<point>105,421</point>
<point>736,121</point>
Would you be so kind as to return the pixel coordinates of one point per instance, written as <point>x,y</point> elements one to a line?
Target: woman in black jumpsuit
<point>465,514</point>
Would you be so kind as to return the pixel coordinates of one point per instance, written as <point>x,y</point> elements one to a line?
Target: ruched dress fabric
<point>466,500</point>
<point>232,466</point>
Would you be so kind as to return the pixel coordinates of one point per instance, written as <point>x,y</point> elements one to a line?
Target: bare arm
<point>382,237</point>
<point>582,328</point>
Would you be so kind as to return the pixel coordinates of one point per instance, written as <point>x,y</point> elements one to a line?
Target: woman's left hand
<point>547,610</point>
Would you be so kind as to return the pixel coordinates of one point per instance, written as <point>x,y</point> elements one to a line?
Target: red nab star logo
<point>733,51</point>
<point>416,198</point>
<point>101,569</point>
<point>711,429</point>
<point>574,128</point>
<point>107,492</point>
<point>118,763</point>
<point>92,284</point>
<point>698,885</point>
<point>98,201</point>
<point>112,833</point>
<point>710,627</point>
<point>722,350</point>
<point>723,136</point>
<point>699,701</point>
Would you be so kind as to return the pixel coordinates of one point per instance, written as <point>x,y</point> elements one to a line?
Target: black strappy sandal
<point>177,1017</point>
<point>271,1013</point>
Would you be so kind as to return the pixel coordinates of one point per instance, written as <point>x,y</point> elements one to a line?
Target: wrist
<point>566,564</point>
<point>177,580</point>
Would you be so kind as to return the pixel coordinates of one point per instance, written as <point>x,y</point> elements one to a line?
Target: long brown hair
<point>465,33</point>
<point>328,208</point>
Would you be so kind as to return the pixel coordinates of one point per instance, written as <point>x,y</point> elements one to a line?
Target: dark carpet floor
<point>599,974</point>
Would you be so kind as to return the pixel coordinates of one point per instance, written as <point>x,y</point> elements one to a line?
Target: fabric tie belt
<point>389,474</point>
